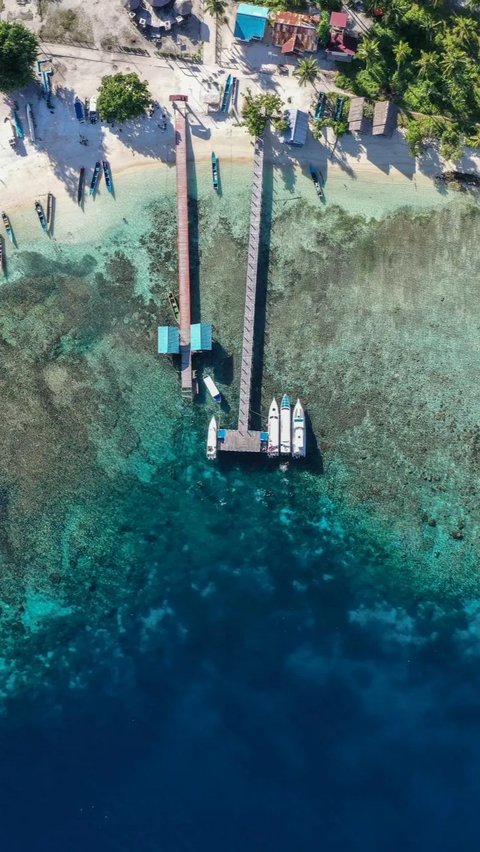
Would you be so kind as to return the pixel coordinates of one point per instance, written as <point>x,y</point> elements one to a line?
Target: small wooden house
<point>356,120</point>
<point>384,118</point>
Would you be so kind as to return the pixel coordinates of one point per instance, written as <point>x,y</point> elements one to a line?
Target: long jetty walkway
<point>179,102</point>
<point>243,439</point>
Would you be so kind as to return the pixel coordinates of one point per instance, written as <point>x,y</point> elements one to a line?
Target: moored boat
<point>212,389</point>
<point>108,175</point>
<point>285,426</point>
<point>2,267</point>
<point>317,178</point>
<point>212,439</point>
<point>30,122</point>
<point>81,185</point>
<point>18,124</point>
<point>273,446</point>
<point>214,170</point>
<point>227,93</point>
<point>41,215</point>
<point>79,111</point>
<point>8,227</point>
<point>95,178</point>
<point>50,210</point>
<point>299,444</point>
<point>174,305</point>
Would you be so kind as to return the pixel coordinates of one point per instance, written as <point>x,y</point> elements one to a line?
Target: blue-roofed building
<point>201,337</point>
<point>168,340</point>
<point>250,22</point>
<point>297,132</point>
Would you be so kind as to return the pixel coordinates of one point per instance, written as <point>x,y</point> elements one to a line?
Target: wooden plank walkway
<point>251,289</point>
<point>183,247</point>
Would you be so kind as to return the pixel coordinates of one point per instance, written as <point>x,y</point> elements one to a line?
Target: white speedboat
<point>273,447</point>
<point>285,426</point>
<point>212,389</point>
<point>299,443</point>
<point>212,439</point>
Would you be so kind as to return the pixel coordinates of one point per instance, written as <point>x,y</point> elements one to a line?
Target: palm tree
<point>215,8</point>
<point>306,71</point>
<point>368,51</point>
<point>402,51</point>
<point>452,61</point>
<point>465,32</point>
<point>427,64</point>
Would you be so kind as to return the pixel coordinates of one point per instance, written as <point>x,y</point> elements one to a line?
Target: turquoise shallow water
<point>228,656</point>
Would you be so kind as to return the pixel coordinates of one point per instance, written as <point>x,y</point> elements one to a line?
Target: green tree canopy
<point>216,8</point>
<point>18,51</point>
<point>306,71</point>
<point>257,110</point>
<point>122,96</point>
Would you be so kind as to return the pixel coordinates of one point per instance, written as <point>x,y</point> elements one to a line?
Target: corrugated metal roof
<point>339,20</point>
<point>168,340</point>
<point>201,337</point>
<point>250,22</point>
<point>297,133</point>
<point>384,118</point>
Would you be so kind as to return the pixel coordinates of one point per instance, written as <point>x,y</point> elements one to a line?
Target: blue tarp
<point>297,132</point>
<point>168,340</point>
<point>201,337</point>
<point>251,22</point>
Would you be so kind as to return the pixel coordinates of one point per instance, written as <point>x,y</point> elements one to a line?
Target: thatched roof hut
<point>384,118</point>
<point>356,121</point>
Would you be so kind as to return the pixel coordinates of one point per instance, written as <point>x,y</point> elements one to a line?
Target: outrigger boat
<point>50,206</point>
<point>299,443</point>
<point>320,107</point>
<point>18,124</point>
<point>41,215</point>
<point>8,227</point>
<point>79,111</point>
<point>227,93</point>
<point>285,426</point>
<point>214,170</point>
<point>108,175</point>
<point>273,447</point>
<point>317,178</point>
<point>95,178</point>
<point>81,185</point>
<point>212,439</point>
<point>174,305</point>
<point>30,122</point>
<point>2,268</point>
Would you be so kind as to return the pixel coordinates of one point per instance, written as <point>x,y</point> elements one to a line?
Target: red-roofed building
<point>341,47</point>
<point>339,20</point>
<point>295,32</point>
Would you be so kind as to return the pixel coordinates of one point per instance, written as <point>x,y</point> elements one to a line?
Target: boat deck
<point>240,442</point>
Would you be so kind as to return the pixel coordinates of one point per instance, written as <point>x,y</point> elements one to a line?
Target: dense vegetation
<point>122,96</point>
<point>257,110</point>
<point>18,51</point>
<point>426,56</point>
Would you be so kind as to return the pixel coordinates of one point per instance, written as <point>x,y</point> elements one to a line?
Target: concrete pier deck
<point>179,102</point>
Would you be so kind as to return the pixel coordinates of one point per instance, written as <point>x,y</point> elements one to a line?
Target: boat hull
<point>285,427</point>
<point>212,439</point>
<point>299,446</point>
<point>273,446</point>
<point>212,389</point>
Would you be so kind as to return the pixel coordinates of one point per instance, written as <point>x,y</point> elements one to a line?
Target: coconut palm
<point>453,61</point>
<point>368,51</point>
<point>427,64</point>
<point>402,51</point>
<point>306,71</point>
<point>465,32</point>
<point>215,8</point>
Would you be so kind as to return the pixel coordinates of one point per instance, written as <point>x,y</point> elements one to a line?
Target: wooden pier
<point>243,439</point>
<point>179,104</point>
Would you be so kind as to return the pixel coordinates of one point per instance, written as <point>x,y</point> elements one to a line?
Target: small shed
<point>201,337</point>
<point>250,22</point>
<point>168,340</point>
<point>339,20</point>
<point>356,120</point>
<point>384,118</point>
<point>297,132</point>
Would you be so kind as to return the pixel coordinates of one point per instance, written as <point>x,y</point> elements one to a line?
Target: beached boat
<point>30,122</point>
<point>8,227</point>
<point>92,109</point>
<point>81,185</point>
<point>317,178</point>
<point>95,178</point>
<point>339,104</point>
<point>212,389</point>
<point>41,215</point>
<point>18,124</point>
<point>320,107</point>
<point>227,93</point>
<point>212,439</point>
<point>214,170</point>
<point>273,447</point>
<point>174,305</point>
<point>108,175</point>
<point>285,426</point>
<point>2,267</point>
<point>299,435</point>
<point>11,132</point>
<point>50,210</point>
<point>79,111</point>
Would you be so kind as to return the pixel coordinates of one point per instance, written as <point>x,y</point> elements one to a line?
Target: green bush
<point>122,97</point>
<point>18,51</point>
